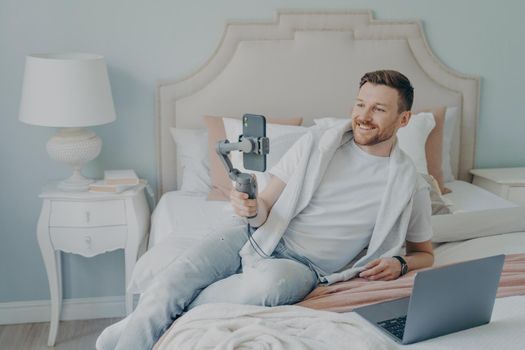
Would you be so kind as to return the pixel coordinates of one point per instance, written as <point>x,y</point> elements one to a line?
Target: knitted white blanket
<point>232,326</point>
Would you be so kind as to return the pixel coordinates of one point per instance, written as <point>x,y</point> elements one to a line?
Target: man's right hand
<point>261,206</point>
<point>242,205</point>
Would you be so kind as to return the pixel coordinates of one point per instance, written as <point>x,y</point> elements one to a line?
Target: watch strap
<point>404,265</point>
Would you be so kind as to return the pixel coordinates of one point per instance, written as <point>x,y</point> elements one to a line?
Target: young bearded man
<point>341,203</point>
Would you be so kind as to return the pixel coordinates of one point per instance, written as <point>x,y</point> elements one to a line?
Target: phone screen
<point>254,126</point>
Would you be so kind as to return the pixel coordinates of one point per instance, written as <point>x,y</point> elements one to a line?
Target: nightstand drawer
<point>87,214</point>
<point>88,241</point>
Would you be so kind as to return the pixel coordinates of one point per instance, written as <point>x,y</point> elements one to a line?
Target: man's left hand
<point>384,269</point>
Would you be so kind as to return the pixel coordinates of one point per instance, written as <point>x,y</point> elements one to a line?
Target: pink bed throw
<point>345,296</point>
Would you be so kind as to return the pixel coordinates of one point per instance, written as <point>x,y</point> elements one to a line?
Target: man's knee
<point>277,282</point>
<point>272,282</point>
<point>230,240</point>
<point>215,255</point>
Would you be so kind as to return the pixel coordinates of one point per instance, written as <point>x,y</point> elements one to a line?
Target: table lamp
<point>70,91</point>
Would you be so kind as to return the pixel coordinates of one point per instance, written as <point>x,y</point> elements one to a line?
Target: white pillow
<point>330,121</point>
<point>451,122</point>
<point>282,137</point>
<point>413,137</point>
<point>481,223</point>
<point>192,152</point>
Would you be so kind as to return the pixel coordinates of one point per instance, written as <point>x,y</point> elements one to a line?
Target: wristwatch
<point>404,266</point>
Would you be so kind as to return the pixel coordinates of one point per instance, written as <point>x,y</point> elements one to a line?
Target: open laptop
<point>444,300</point>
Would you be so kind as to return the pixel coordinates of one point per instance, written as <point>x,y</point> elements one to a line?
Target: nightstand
<point>89,224</point>
<point>508,183</point>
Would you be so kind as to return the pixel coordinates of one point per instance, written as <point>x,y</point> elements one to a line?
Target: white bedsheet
<point>189,216</point>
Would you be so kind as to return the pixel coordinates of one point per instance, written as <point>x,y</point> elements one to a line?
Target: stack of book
<point>116,181</point>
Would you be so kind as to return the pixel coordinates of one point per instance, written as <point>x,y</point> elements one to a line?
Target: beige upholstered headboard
<point>308,64</point>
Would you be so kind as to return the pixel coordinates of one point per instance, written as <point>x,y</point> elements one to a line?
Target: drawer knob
<point>88,216</point>
<point>87,239</point>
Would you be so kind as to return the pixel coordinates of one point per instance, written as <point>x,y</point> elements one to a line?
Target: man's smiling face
<point>376,116</point>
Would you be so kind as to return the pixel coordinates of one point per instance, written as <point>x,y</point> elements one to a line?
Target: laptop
<point>444,300</point>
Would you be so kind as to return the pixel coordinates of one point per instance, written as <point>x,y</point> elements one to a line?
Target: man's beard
<point>376,139</point>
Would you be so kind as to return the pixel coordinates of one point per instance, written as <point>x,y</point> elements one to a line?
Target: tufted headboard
<point>308,64</point>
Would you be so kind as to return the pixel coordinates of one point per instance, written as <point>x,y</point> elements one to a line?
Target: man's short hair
<point>395,80</point>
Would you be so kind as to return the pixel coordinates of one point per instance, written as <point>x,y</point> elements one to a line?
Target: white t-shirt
<point>338,222</point>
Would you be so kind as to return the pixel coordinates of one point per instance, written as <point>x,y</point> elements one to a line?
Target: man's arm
<point>419,255</point>
<point>280,174</point>
<point>261,206</point>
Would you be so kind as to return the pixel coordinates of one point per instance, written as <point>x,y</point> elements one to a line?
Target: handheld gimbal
<point>255,146</point>
<point>244,182</point>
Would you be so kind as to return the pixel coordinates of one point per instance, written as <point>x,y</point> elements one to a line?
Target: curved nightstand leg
<point>56,299</point>
<point>58,259</point>
<point>52,262</point>
<point>130,258</point>
<point>138,222</point>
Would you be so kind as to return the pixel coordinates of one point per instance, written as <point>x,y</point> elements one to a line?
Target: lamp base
<point>74,146</point>
<point>76,183</point>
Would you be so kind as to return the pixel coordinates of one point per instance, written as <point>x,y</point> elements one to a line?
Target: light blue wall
<point>144,41</point>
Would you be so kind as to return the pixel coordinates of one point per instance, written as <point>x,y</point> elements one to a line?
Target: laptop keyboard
<point>395,326</point>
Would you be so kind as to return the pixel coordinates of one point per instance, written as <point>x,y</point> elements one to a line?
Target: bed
<point>307,65</point>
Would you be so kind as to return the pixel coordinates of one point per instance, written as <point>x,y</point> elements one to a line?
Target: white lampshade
<point>70,91</point>
<point>66,90</point>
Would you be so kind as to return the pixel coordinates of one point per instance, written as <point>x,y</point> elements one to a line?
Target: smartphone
<point>254,126</point>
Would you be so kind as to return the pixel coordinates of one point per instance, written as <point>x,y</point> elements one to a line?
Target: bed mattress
<point>189,216</point>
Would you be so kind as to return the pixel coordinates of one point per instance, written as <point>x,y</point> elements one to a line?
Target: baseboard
<point>72,309</point>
